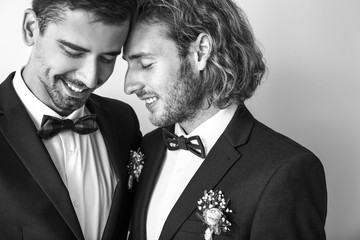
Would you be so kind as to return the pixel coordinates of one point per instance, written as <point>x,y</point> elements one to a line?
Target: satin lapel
<point>112,142</point>
<point>156,149</point>
<point>19,130</point>
<point>113,145</point>
<point>219,161</point>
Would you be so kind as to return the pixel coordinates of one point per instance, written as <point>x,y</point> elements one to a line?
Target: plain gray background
<point>311,92</point>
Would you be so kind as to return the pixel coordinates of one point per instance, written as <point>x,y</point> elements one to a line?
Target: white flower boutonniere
<point>213,207</point>
<point>135,166</point>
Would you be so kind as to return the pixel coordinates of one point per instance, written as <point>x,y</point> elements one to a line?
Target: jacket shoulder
<point>275,141</point>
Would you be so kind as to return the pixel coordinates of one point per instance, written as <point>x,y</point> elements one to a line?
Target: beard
<point>185,96</point>
<point>63,103</point>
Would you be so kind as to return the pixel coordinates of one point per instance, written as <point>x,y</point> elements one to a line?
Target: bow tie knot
<point>67,124</point>
<point>192,144</point>
<point>182,142</point>
<point>51,126</point>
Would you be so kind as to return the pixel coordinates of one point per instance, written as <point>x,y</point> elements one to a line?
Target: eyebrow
<point>81,49</point>
<point>138,55</point>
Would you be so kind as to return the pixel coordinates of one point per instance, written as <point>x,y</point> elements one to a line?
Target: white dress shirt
<point>179,167</point>
<point>82,162</point>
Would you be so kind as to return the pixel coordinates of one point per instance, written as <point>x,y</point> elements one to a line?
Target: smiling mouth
<point>73,87</point>
<point>150,100</point>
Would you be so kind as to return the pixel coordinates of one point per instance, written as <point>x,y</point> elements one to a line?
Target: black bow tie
<point>51,126</point>
<point>174,142</point>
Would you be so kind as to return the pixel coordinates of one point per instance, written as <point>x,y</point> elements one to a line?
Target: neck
<point>200,117</point>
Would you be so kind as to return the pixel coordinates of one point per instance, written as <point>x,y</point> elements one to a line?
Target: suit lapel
<point>218,162</point>
<point>156,149</point>
<point>109,133</point>
<point>19,130</point>
<point>113,143</point>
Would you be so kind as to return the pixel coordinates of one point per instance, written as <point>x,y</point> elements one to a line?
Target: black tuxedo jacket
<point>34,202</point>
<point>276,187</point>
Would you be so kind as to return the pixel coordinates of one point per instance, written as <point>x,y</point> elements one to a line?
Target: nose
<point>88,73</point>
<point>133,82</point>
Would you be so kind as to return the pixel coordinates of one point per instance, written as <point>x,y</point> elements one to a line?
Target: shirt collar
<point>210,130</point>
<point>34,106</point>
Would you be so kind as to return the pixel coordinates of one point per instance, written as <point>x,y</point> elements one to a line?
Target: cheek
<point>57,64</point>
<point>49,56</point>
<point>169,80</point>
<point>62,66</point>
<point>55,60</point>
<point>166,88</point>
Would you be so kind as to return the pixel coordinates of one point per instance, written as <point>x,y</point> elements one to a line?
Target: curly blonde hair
<point>235,66</point>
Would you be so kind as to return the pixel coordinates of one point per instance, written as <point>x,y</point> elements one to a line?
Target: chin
<point>158,122</point>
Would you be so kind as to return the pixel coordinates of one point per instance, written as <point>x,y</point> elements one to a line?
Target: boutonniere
<point>213,207</point>
<point>136,164</point>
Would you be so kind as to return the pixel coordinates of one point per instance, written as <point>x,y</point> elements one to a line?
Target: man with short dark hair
<point>64,149</point>
<point>211,170</point>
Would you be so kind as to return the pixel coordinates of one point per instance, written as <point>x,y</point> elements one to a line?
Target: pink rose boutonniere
<point>135,166</point>
<point>213,207</point>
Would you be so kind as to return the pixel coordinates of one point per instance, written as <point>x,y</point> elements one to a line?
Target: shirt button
<point>76,204</point>
<point>70,152</point>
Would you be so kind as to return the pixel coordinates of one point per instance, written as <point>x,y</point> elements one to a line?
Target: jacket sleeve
<point>294,202</point>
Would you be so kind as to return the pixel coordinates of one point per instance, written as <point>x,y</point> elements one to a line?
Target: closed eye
<point>108,59</point>
<point>73,55</point>
<point>147,66</point>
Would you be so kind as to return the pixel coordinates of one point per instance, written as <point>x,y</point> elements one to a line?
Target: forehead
<point>149,39</point>
<point>79,27</point>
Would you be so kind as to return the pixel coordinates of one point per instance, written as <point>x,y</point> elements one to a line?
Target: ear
<point>30,29</point>
<point>201,50</point>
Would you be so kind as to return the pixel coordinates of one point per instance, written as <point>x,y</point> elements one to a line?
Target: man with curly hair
<point>195,63</point>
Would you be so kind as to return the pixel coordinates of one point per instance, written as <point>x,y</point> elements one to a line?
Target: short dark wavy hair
<point>235,66</point>
<point>107,11</point>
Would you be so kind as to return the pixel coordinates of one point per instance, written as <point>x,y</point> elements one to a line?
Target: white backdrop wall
<point>311,92</point>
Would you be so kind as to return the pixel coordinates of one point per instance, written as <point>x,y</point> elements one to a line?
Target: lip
<point>150,101</point>
<point>74,90</point>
